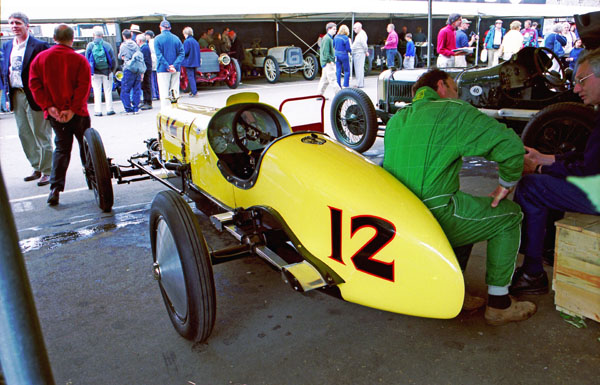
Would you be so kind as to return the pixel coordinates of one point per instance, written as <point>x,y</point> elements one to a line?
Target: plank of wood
<point>577,300</point>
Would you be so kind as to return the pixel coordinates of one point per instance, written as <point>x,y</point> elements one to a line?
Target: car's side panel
<point>363,223</point>
<point>184,137</point>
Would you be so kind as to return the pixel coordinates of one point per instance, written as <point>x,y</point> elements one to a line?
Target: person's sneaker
<point>517,311</point>
<point>146,107</point>
<point>53,197</point>
<point>44,180</point>
<point>34,175</point>
<point>523,283</point>
<point>472,302</point>
<point>98,114</point>
<point>110,113</point>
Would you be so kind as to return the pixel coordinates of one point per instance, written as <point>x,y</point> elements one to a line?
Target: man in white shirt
<point>360,50</point>
<point>34,131</point>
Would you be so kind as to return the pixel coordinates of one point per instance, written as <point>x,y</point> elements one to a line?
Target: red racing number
<point>363,259</point>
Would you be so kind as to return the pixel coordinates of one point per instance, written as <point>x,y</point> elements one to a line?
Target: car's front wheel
<point>311,67</point>
<point>353,119</point>
<point>97,169</point>
<point>271,68</point>
<point>182,266</point>
<point>559,128</point>
<point>234,76</point>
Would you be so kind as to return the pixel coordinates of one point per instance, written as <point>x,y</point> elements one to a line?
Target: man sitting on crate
<point>424,146</point>
<point>544,193</point>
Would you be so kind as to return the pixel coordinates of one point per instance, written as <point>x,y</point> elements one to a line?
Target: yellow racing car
<point>323,215</point>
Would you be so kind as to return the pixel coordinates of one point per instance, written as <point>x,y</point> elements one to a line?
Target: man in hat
<point>462,41</point>
<point>493,41</point>
<point>446,42</point>
<point>169,56</point>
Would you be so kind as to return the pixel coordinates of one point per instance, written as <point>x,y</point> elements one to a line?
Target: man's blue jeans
<point>131,91</point>
<point>191,75</point>
<point>391,56</point>
<point>542,197</point>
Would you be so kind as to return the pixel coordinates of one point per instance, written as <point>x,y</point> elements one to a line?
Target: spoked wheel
<point>310,67</point>
<point>271,68</point>
<point>182,266</point>
<point>234,76</point>
<point>559,128</point>
<point>97,170</point>
<point>184,84</point>
<point>353,119</point>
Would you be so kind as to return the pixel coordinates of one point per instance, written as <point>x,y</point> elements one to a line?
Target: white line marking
<point>45,195</point>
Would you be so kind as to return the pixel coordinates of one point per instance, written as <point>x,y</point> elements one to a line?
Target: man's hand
<point>65,116</point>
<point>499,194</point>
<point>537,157</point>
<point>171,69</point>
<point>53,111</point>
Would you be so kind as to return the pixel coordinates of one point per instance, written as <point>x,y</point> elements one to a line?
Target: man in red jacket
<point>60,81</point>
<point>446,41</point>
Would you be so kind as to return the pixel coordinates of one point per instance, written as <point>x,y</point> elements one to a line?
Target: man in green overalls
<point>424,146</point>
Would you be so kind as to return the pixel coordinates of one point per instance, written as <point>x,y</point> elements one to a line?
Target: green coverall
<point>424,146</point>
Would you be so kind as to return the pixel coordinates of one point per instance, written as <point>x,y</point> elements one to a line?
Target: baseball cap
<point>165,24</point>
<point>453,17</point>
<point>466,21</point>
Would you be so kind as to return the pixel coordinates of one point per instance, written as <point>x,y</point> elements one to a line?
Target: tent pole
<point>276,33</point>
<point>429,32</point>
<point>22,350</point>
<point>351,40</point>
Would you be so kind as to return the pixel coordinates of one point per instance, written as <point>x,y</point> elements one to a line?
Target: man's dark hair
<point>149,33</point>
<point>126,34</point>
<point>430,78</point>
<point>63,33</point>
<point>21,16</point>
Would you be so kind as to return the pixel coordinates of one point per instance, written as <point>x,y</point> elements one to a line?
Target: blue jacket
<point>410,49</point>
<point>556,42</point>
<point>34,47</point>
<point>462,40</point>
<point>489,39</point>
<point>110,56</point>
<point>191,49</point>
<point>145,48</point>
<point>169,51</point>
<point>341,46</point>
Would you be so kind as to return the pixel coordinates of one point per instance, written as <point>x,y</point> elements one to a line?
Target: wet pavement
<point>104,320</point>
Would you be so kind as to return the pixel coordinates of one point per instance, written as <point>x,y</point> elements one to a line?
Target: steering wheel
<point>251,129</point>
<point>543,58</point>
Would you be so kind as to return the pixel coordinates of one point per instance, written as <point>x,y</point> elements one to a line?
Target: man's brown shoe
<point>44,180</point>
<point>35,175</point>
<point>517,311</point>
<point>472,302</point>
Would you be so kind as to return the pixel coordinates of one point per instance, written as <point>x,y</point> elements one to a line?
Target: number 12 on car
<point>364,259</point>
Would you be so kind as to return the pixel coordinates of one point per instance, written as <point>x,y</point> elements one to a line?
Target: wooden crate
<point>576,277</point>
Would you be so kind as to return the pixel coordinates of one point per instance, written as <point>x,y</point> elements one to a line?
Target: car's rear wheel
<point>271,68</point>
<point>97,169</point>
<point>235,74</point>
<point>353,119</point>
<point>182,266</point>
<point>559,128</point>
<point>368,65</point>
<point>310,67</point>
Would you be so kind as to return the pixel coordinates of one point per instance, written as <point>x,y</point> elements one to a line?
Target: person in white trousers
<point>327,61</point>
<point>360,51</point>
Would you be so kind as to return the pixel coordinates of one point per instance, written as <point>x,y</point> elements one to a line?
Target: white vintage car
<point>286,59</point>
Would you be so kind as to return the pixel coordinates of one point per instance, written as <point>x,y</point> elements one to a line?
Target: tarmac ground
<point>104,321</point>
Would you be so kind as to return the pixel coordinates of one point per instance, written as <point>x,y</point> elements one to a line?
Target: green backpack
<point>100,60</point>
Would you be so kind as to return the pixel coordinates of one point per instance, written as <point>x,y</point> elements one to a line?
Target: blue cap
<point>165,24</point>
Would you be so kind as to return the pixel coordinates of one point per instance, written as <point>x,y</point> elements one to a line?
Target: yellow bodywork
<point>336,203</point>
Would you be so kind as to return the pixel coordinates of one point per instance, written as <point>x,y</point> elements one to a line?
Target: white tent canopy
<point>71,11</point>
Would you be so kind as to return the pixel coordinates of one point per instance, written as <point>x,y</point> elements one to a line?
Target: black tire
<point>271,69</point>
<point>235,79</point>
<point>97,169</point>
<point>353,119</point>
<point>182,266</point>
<point>398,61</point>
<point>311,67</point>
<point>559,128</point>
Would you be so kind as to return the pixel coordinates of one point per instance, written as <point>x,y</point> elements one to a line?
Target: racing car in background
<point>284,195</point>
<point>283,59</point>
<point>213,68</point>
<point>522,92</point>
